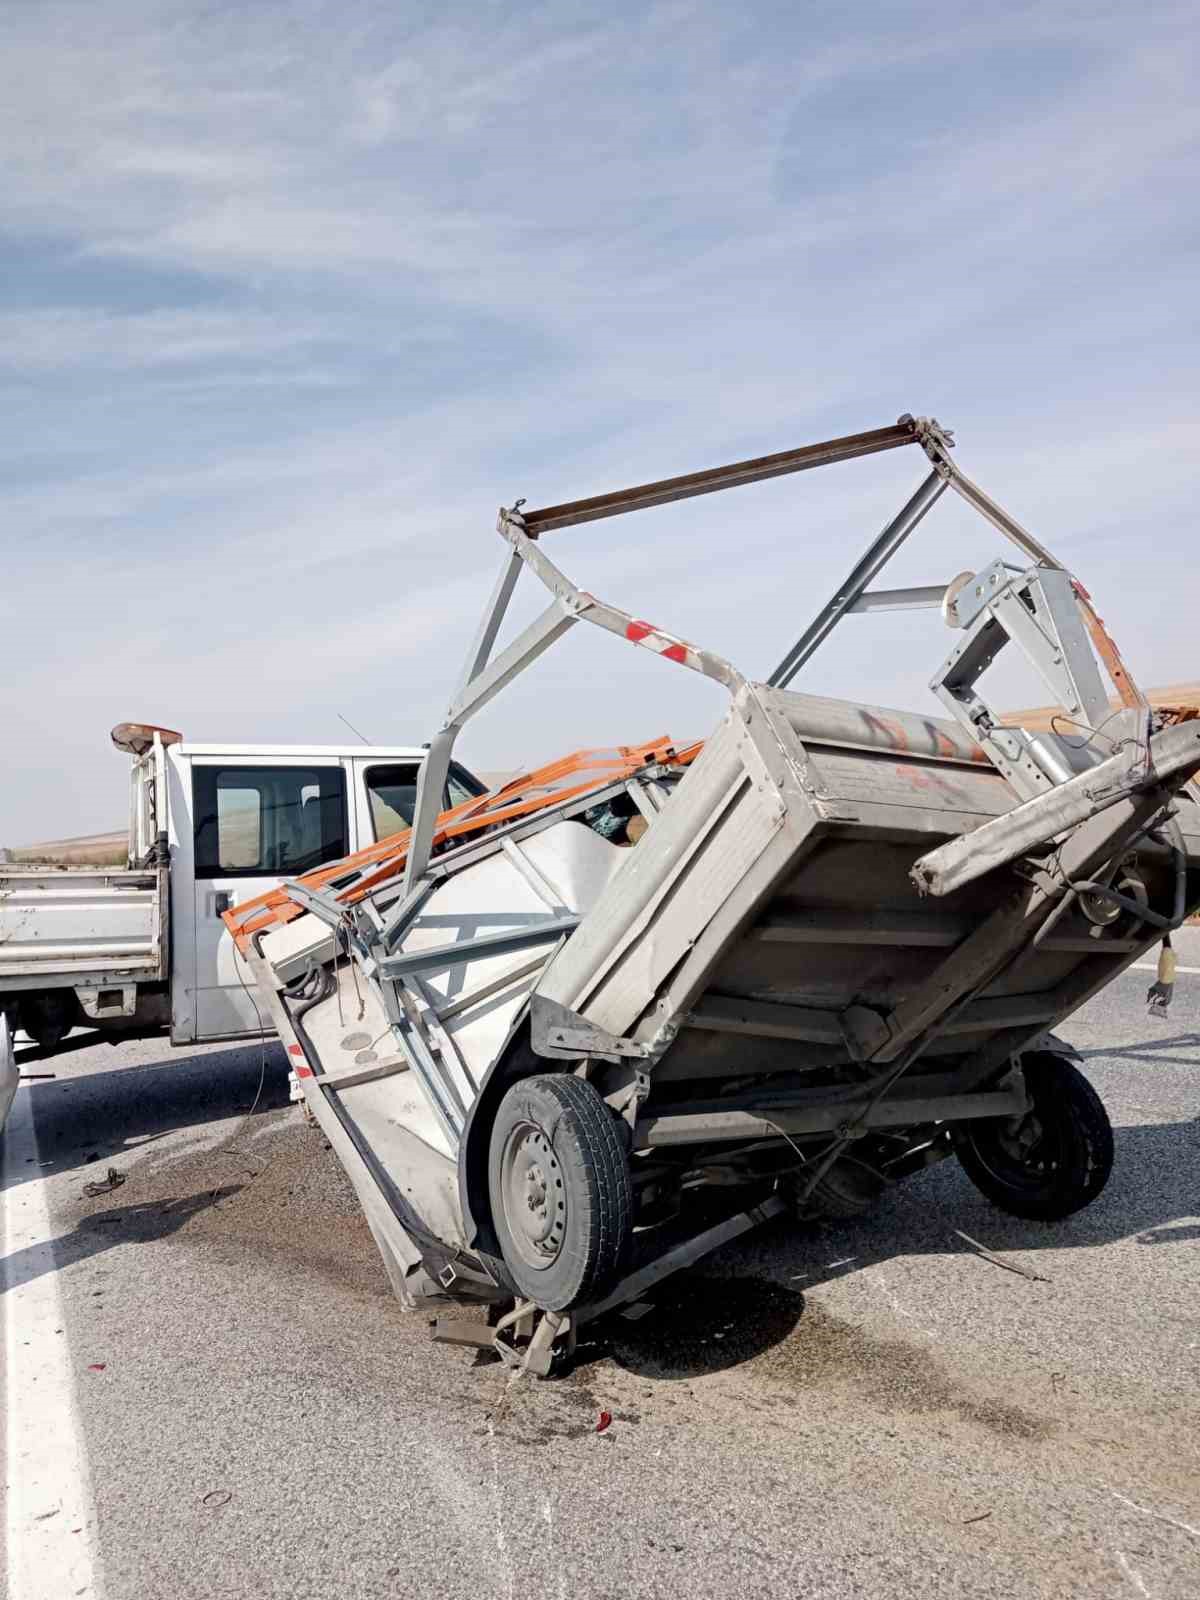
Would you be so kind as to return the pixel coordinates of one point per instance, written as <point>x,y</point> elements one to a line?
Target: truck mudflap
<point>9,1076</point>
<point>798,963</point>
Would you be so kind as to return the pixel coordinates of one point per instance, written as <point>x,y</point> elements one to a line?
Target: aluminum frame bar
<point>541,633</point>
<point>923,597</point>
<point>489,944</point>
<point>869,565</point>
<point>485,638</point>
<point>664,1129</point>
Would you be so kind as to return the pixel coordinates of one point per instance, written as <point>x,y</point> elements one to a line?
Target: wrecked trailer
<point>573,1034</point>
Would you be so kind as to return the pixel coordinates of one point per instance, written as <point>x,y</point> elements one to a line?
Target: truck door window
<point>267,821</point>
<point>392,791</point>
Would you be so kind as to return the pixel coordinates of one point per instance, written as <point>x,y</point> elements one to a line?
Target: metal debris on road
<point>637,1311</point>
<point>998,1261</point>
<point>218,1497</point>
<point>114,1180</point>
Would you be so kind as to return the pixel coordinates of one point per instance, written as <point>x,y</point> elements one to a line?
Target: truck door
<point>253,824</point>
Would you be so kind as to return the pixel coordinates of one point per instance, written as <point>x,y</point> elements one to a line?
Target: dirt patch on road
<point>273,1189</point>
<point>894,1375</point>
<point>711,1324</point>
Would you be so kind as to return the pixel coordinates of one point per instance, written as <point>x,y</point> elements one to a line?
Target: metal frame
<point>1039,607</point>
<point>1038,610</point>
<point>1053,634</point>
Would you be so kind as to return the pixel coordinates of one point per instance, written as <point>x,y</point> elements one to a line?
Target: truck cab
<point>241,819</point>
<point>141,946</point>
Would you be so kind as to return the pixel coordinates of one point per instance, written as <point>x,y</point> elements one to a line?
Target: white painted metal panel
<point>80,919</point>
<point>572,859</point>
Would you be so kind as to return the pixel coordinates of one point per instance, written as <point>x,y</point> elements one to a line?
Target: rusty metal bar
<point>666,490</point>
<point>1105,646</point>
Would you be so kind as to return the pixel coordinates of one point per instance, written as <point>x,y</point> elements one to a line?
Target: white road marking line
<point>51,1523</point>
<point>1161,1516</point>
<point>1132,1573</point>
<point>1152,966</point>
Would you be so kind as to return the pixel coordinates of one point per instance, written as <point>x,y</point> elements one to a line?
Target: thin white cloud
<point>74,337</point>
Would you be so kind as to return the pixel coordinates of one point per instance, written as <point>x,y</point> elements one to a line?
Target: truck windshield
<point>392,791</point>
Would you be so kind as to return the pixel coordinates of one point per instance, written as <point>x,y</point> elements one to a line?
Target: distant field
<point>91,850</point>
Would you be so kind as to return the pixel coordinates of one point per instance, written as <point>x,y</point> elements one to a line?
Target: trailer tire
<point>1056,1160</point>
<point>846,1192</point>
<point>560,1190</point>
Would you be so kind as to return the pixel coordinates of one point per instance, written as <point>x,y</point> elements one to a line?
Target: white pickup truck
<point>142,949</point>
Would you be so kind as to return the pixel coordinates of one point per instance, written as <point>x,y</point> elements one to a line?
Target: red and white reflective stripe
<point>303,1070</point>
<point>663,644</point>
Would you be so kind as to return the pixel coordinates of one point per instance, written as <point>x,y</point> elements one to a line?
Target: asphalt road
<point>236,1407</point>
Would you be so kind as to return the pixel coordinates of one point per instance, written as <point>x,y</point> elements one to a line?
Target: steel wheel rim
<point>1032,1168</point>
<point>534,1196</point>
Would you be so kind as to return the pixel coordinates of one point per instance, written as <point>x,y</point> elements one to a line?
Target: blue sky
<point>293,296</point>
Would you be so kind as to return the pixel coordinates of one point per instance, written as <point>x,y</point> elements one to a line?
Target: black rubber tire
<point>846,1192</point>
<point>49,1017</point>
<point>560,1124</point>
<point>1068,1163</point>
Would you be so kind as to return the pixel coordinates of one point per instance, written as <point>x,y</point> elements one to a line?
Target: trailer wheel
<point>1051,1162</point>
<point>562,1201</point>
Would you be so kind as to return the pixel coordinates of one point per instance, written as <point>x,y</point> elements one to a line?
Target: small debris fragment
<point>113,1181</point>
<point>982,1517</point>
<point>998,1261</point>
<point>97,1366</point>
<point>218,1497</point>
<point>45,1516</point>
<point>605,1420</point>
<point>637,1310</point>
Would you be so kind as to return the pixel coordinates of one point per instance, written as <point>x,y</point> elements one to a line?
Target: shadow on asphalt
<point>98,1118</point>
<point>94,1234</point>
<point>698,1324</point>
<point>749,1296</point>
<point>1152,1198</point>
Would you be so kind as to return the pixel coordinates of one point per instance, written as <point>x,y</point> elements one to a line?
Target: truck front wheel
<point>561,1197</point>
<point>1052,1161</point>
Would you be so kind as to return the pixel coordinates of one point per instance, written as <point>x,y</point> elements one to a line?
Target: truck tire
<point>1056,1160</point>
<point>561,1196</point>
<point>49,1017</point>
